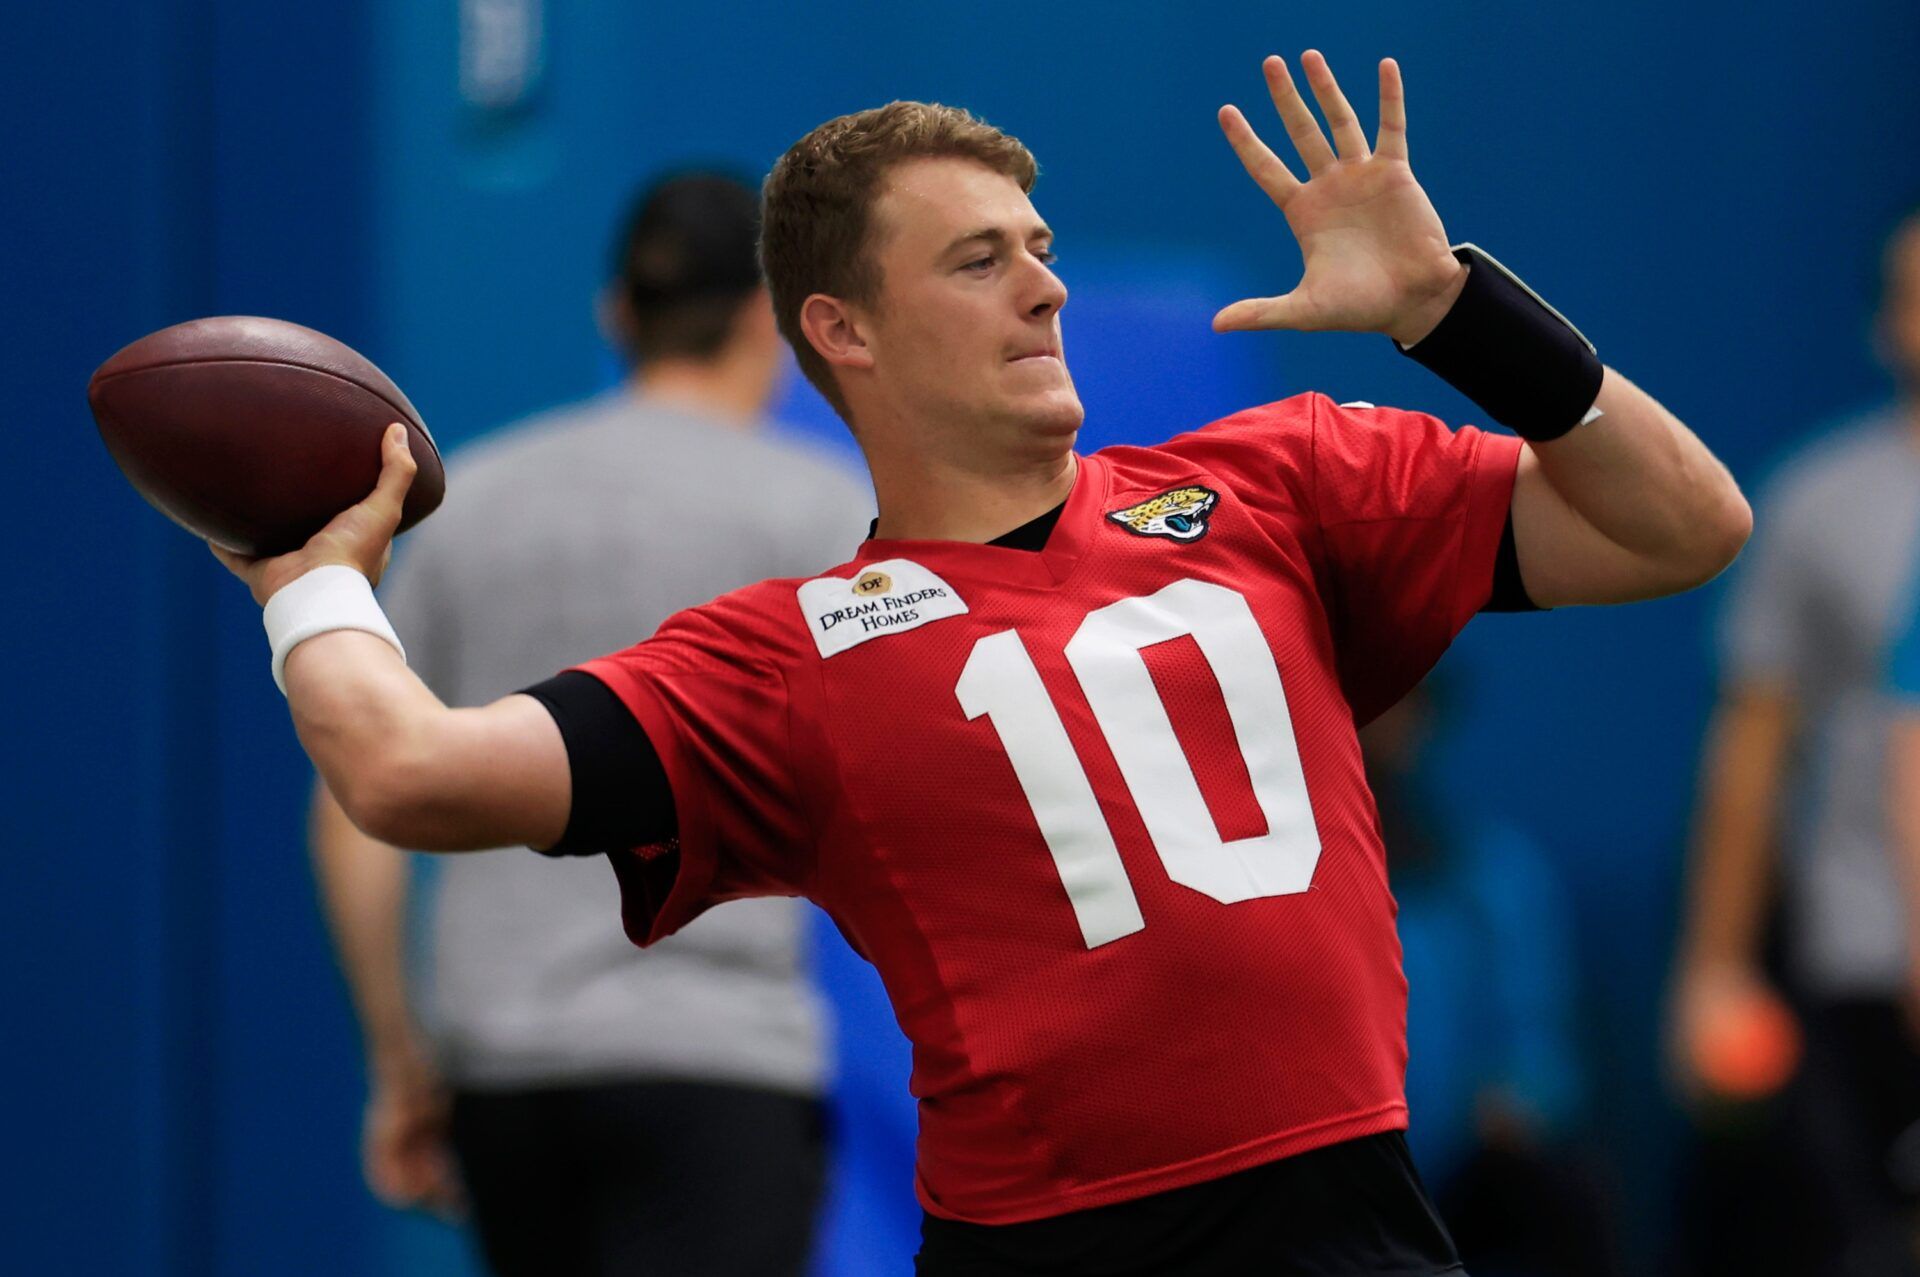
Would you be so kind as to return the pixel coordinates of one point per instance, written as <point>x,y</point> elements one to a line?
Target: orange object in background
<point>1748,1047</point>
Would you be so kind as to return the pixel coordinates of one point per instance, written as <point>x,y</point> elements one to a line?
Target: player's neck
<point>932,502</point>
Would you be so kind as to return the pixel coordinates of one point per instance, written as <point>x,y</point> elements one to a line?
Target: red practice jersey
<point>1096,813</point>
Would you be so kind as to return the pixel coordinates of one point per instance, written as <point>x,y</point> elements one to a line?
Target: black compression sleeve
<point>621,797</point>
<point>1509,591</point>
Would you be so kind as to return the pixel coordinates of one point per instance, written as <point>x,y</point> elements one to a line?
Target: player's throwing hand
<point>360,537</point>
<point>1376,254</point>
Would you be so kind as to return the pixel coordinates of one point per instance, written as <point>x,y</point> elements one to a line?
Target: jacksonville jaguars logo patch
<point>1178,515</point>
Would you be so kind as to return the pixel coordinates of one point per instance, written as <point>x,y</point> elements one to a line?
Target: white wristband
<point>334,597</point>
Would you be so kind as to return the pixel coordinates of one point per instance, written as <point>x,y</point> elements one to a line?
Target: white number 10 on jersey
<point>1105,653</point>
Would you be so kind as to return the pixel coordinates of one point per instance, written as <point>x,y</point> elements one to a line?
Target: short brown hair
<point>817,206</point>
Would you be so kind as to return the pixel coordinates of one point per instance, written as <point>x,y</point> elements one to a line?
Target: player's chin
<point>1052,414</point>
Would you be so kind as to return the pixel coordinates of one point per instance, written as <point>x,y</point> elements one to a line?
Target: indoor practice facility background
<point>1700,187</point>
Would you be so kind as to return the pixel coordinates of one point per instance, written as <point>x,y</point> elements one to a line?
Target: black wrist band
<point>1508,351</point>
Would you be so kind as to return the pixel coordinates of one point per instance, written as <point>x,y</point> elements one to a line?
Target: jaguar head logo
<point>1178,515</point>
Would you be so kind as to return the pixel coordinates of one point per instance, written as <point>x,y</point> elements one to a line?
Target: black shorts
<point>642,1177</point>
<point>1351,1209</point>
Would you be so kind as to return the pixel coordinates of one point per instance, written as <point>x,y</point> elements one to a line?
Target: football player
<point>1068,747</point>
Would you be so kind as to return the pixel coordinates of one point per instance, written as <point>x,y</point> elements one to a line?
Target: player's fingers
<point>1349,139</point>
<point>1256,314</point>
<point>1262,165</point>
<point>1297,116</point>
<point>360,529</point>
<point>232,561</point>
<point>1393,112</point>
<point>397,468</point>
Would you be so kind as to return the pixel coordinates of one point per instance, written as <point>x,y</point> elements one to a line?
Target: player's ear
<point>835,331</point>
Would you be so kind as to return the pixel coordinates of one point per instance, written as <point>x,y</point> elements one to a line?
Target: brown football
<point>253,432</point>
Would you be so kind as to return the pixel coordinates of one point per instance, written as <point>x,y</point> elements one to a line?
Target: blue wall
<point>180,1060</point>
<point>1698,186</point>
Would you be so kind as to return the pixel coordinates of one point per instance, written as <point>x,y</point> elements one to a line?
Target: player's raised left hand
<point>1376,254</point>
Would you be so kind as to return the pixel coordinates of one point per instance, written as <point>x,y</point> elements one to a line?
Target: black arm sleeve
<point>1509,591</point>
<point>621,797</point>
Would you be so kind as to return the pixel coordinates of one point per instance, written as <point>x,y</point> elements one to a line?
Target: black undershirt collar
<point>1031,535</point>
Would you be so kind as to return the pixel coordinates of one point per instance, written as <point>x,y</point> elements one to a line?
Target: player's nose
<point>1048,291</point>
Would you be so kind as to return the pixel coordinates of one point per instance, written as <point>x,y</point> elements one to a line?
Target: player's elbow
<point>446,784</point>
<point>390,796</point>
<point>1700,541</point>
<point>1721,529</point>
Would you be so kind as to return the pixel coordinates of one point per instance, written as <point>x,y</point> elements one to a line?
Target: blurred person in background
<point>601,1109</point>
<point>1796,761</point>
<point>1495,1089</point>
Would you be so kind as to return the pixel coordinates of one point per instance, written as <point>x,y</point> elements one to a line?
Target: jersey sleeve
<point>716,711</point>
<point>1403,515</point>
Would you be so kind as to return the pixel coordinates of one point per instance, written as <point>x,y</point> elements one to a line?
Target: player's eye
<point>981,262</point>
<point>1047,256</point>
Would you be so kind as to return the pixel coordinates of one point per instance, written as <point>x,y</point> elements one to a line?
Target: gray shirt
<point>566,537</point>
<point>1813,611</point>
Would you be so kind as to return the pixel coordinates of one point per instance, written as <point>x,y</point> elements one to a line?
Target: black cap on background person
<point>683,264</point>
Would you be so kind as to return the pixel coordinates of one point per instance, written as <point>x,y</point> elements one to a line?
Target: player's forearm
<point>363,889</point>
<point>365,720</point>
<point>409,771</point>
<point>1647,484</point>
